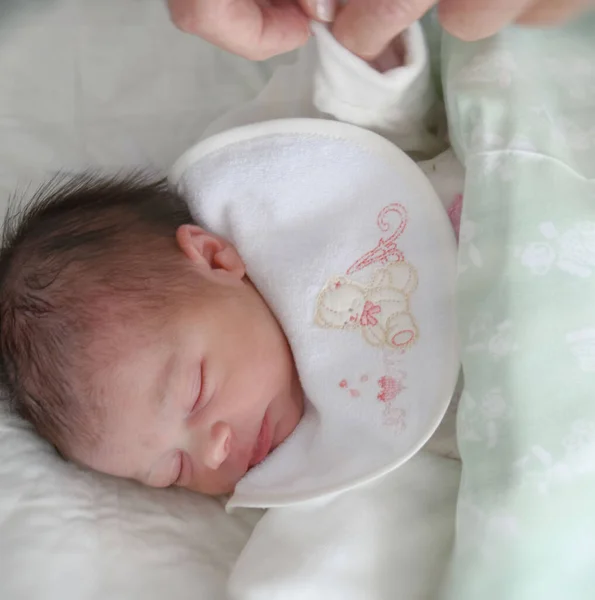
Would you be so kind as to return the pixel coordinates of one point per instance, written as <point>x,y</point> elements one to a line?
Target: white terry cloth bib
<point>349,245</point>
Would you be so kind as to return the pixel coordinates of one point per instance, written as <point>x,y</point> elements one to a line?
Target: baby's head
<point>132,340</point>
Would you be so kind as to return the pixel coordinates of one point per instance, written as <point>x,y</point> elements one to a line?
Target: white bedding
<point>105,84</point>
<point>109,84</point>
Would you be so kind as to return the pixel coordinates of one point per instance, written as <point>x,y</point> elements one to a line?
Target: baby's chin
<point>214,488</point>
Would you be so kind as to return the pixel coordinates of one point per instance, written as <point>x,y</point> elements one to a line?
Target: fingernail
<point>324,10</point>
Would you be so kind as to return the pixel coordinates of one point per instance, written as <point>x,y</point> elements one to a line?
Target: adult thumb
<point>320,10</point>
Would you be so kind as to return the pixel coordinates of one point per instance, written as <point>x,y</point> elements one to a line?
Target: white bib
<point>347,242</point>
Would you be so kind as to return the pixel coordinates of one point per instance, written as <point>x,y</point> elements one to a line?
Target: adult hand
<point>255,29</point>
<point>366,27</point>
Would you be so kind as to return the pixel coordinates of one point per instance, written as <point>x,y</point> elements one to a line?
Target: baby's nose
<point>219,445</point>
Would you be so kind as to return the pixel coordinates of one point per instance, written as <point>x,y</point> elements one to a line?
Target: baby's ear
<point>209,251</point>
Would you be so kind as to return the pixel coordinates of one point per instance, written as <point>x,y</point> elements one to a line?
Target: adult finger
<point>472,20</point>
<point>552,12</point>
<point>320,10</point>
<point>245,27</point>
<point>366,27</point>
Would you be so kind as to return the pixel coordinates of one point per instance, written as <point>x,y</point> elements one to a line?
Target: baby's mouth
<point>264,443</point>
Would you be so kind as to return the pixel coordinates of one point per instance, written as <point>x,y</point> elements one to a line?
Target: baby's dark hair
<point>84,250</point>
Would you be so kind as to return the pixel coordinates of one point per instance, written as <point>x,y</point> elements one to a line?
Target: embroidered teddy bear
<point>380,310</point>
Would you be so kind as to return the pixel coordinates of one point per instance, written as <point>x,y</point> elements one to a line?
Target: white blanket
<point>388,540</point>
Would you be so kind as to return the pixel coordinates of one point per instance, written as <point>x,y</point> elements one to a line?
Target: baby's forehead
<point>125,418</point>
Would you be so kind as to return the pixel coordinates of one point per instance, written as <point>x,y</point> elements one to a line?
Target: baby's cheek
<point>292,415</point>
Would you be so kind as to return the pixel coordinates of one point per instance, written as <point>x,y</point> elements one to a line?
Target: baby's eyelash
<point>201,392</point>
<point>180,470</point>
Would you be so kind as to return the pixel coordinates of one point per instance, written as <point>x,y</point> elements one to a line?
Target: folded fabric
<point>391,538</point>
<point>400,102</point>
<point>522,119</point>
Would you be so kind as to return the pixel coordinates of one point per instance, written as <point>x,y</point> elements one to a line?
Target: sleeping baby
<point>137,342</point>
<point>133,341</point>
<point>277,321</point>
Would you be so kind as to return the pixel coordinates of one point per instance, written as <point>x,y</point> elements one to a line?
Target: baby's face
<point>200,399</point>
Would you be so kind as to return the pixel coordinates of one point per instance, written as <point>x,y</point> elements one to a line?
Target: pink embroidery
<point>402,339</point>
<point>390,387</point>
<point>454,213</point>
<point>395,417</point>
<point>386,248</point>
<point>368,319</point>
<point>352,392</point>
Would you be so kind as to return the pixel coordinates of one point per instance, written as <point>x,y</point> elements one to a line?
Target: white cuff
<point>352,90</point>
